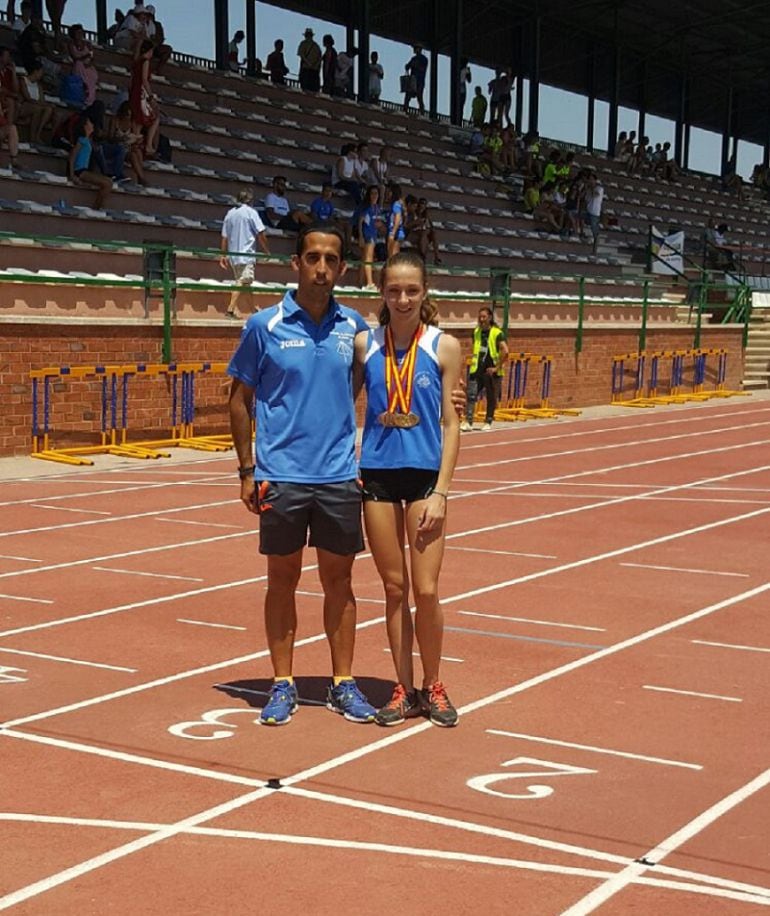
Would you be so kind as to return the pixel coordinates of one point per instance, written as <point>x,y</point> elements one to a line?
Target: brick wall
<point>579,380</point>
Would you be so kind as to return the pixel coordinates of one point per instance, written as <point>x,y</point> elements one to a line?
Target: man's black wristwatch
<point>245,473</point>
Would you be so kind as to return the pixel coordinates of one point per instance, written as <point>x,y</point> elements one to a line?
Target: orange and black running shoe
<point>438,706</point>
<point>402,705</point>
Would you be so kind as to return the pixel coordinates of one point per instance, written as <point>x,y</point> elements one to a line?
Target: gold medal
<point>398,420</point>
<point>399,381</point>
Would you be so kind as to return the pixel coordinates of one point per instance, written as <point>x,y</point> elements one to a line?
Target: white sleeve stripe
<point>276,318</point>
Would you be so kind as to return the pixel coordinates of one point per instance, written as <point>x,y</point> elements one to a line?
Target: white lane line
<point>692,693</point>
<point>70,509</point>
<point>7,556</point>
<point>702,572</point>
<point>505,553</point>
<point>596,750</point>
<point>135,572</point>
<point>444,658</point>
<point>635,870</point>
<point>542,623</point>
<point>359,600</point>
<point>206,623</point>
<point>727,645</point>
<point>187,521</point>
<point>69,661</point>
<point>31,600</point>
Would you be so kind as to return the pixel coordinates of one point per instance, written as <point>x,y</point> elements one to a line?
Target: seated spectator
<point>154,30</point>
<point>276,65</point>
<point>668,169</point>
<point>731,180</point>
<point>532,161</point>
<point>322,210</point>
<point>279,214</point>
<point>478,108</point>
<point>10,94</point>
<point>491,163</point>
<point>565,166</point>
<point>232,51</point>
<point>371,227</point>
<point>476,142</point>
<point>637,161</point>
<point>719,254</point>
<point>420,231</point>
<point>79,170</point>
<point>133,29</point>
<point>82,54</point>
<point>547,211</point>
<point>9,133</point>
<point>620,146</point>
<point>33,45</point>
<point>531,194</point>
<point>132,143</point>
<point>34,109</point>
<point>508,151</point>
<point>550,172</point>
<point>760,176</point>
<point>345,176</point>
<point>574,205</point>
<point>361,165</point>
<point>378,172</point>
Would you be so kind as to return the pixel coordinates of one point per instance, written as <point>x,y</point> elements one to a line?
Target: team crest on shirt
<point>344,349</point>
<point>423,380</point>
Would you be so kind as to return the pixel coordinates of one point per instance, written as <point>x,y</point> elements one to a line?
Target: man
<point>233,52</point>
<point>309,63</point>
<point>297,359</point>
<point>278,211</point>
<point>241,229</point>
<point>276,65</point>
<point>490,351</point>
<point>417,68</point>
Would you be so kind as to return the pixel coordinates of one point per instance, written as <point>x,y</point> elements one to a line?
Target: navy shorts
<point>324,515</point>
<point>397,485</point>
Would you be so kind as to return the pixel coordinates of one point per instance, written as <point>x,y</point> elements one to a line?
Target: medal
<point>399,380</point>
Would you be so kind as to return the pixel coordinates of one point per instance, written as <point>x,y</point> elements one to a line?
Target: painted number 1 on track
<point>536,769</point>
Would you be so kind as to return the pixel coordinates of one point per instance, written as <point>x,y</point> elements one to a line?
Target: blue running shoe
<point>281,706</point>
<point>348,701</point>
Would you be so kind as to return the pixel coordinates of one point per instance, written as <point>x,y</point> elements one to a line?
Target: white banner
<point>667,252</point>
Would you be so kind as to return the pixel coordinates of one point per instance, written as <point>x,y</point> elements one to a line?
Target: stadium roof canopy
<point>706,63</point>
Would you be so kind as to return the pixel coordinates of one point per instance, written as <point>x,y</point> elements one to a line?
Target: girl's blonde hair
<point>428,311</point>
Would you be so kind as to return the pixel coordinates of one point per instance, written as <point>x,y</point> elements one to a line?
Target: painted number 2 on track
<point>496,783</point>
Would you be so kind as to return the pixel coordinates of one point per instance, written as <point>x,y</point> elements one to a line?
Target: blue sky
<point>562,114</point>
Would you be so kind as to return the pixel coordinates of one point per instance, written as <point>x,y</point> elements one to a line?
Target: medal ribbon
<point>400,380</point>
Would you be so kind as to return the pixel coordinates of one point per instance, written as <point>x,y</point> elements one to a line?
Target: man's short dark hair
<point>324,229</point>
<point>280,178</point>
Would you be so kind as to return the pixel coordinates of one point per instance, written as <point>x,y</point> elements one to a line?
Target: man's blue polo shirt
<point>302,373</point>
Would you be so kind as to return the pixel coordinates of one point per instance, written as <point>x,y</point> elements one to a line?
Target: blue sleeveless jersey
<point>391,447</point>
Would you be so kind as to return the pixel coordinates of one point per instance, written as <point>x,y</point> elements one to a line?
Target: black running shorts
<point>397,485</point>
<point>321,515</point>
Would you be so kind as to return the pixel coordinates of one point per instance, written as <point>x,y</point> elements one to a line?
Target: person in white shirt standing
<point>594,202</point>
<point>376,75</point>
<point>242,228</point>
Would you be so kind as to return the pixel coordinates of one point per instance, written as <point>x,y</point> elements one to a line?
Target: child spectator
<point>322,210</point>
<point>34,108</point>
<point>82,54</point>
<point>376,76</point>
<point>508,152</point>
<point>276,65</point>
<point>478,108</point>
<point>79,168</point>
<point>345,176</point>
<point>420,231</point>
<point>132,142</point>
<point>638,160</point>
<point>547,211</point>
<point>233,52</point>
<point>370,227</point>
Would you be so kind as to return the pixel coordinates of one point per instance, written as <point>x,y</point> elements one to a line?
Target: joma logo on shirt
<point>285,344</point>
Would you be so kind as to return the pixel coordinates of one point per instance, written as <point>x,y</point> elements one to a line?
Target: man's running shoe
<point>438,706</point>
<point>402,705</point>
<point>281,706</point>
<point>348,701</point>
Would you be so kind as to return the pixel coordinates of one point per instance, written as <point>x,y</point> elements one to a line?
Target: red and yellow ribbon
<point>400,379</point>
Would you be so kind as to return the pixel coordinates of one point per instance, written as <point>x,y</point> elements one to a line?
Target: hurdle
<point>513,406</point>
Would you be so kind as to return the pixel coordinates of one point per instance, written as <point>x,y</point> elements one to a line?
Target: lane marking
<point>703,572</point>
<point>358,599</point>
<point>692,693</point>
<point>70,509</point>
<point>303,701</point>
<point>635,870</point>
<point>538,639</point>
<point>542,623</point>
<point>135,572</point>
<point>506,553</point>
<point>187,521</point>
<point>444,658</point>
<point>32,600</point>
<point>69,661</point>
<point>206,623</point>
<point>7,556</point>
<point>596,750</point>
<point>727,645</point>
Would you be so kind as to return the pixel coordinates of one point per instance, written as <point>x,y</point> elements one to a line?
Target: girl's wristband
<point>439,493</point>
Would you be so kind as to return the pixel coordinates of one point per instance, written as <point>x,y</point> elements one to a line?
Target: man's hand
<point>224,262</point>
<point>249,495</point>
<point>491,370</point>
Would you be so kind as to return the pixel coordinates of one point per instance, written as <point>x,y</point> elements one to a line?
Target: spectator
<point>21,22</point>
<point>32,45</point>
<point>464,78</point>
<point>420,231</point>
<point>34,108</point>
<point>548,211</point>
<point>731,180</point>
<point>573,206</point>
<point>79,169</point>
<point>144,106</point>
<point>378,170</point>
<point>343,78</point>
<point>417,68</point>
<point>490,353</point>
<point>396,220</point>
<point>322,210</point>
<point>668,168</point>
<point>620,146</point>
<point>476,142</point>
<point>719,254</point>
<point>122,134</point>
<point>154,30</point>
<point>55,10</point>
<point>113,30</point>
<point>328,65</point>
<point>565,166</point>
<point>491,150</point>
<point>10,95</point>
<point>376,76</point>
<point>594,201</point>
<point>505,88</point>
<point>242,228</point>
<point>361,166</point>
<point>550,172</point>
<point>346,177</point>
<point>279,213</point>
<point>531,160</point>
<point>309,55</point>
<point>638,160</point>
<point>370,226</point>
<point>233,52</point>
<point>494,90</point>
<point>9,133</point>
<point>760,177</point>
<point>478,108</point>
<point>276,65</point>
<point>82,54</point>
<point>132,29</point>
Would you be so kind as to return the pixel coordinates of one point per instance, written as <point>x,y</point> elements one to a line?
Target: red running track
<point>606,600</point>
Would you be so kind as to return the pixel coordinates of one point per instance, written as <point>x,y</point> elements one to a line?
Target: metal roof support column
<point>534,78</point>
<point>766,145</point>
<point>251,37</point>
<point>728,129</point>
<point>456,116</point>
<point>221,34</point>
<point>612,124</point>
<point>591,86</point>
<point>101,21</point>
<point>686,145</point>
<point>364,33</point>
<point>37,9</point>
<point>433,75</point>
<point>681,117</point>
<point>640,127</point>
<point>518,111</point>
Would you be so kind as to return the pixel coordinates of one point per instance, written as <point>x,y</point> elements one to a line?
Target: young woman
<point>82,54</point>
<point>144,106</point>
<point>369,226</point>
<point>78,166</point>
<point>396,220</point>
<point>410,369</point>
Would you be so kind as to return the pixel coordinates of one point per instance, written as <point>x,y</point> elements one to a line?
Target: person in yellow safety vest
<point>490,351</point>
